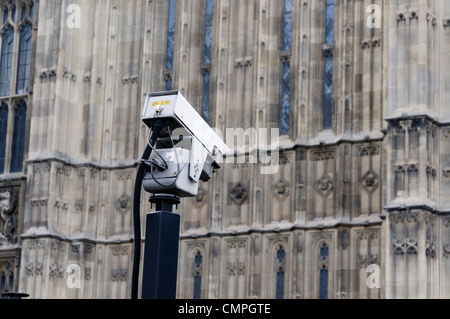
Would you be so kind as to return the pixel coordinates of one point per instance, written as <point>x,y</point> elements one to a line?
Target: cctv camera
<point>187,149</point>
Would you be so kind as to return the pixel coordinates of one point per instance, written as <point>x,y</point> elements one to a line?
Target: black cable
<point>156,130</point>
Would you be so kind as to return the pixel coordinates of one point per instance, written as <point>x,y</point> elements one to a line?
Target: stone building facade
<point>357,90</point>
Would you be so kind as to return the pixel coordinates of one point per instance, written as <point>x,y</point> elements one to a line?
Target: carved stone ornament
<point>324,186</point>
<point>56,271</point>
<point>239,193</point>
<point>365,260</point>
<point>446,251</point>
<point>402,247</point>
<point>8,217</point>
<point>119,275</point>
<point>368,150</point>
<point>236,269</point>
<point>370,181</point>
<point>281,189</point>
<point>123,204</point>
<point>430,248</point>
<point>202,197</point>
<point>403,217</point>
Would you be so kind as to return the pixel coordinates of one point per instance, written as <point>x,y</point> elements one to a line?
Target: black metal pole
<point>162,236</point>
<point>157,128</point>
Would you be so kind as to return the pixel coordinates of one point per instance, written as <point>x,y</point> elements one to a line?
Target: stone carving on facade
<point>91,208</point>
<point>446,172</point>
<point>61,203</point>
<point>280,189</point>
<point>430,219</point>
<point>57,246</point>
<point>445,251</point>
<point>431,170</point>
<point>370,181</point>
<point>239,193</point>
<point>236,269</point>
<point>48,73</point>
<point>324,186</point>
<point>370,43</point>
<point>8,217</point>
<point>39,202</point>
<point>328,50</point>
<point>123,204</point>
<point>323,155</point>
<point>431,17</point>
<point>62,170</point>
<point>446,23</point>
<point>119,275</point>
<point>243,62</point>
<point>343,239</point>
<point>285,56</point>
<point>41,168</point>
<point>36,244</point>
<point>132,79</point>
<point>34,269</point>
<point>404,246</point>
<point>56,270</point>
<point>365,260</point>
<point>87,77</point>
<point>119,251</point>
<point>238,243</point>
<point>87,273</point>
<point>404,216</point>
<point>201,199</point>
<point>79,204</point>
<point>367,235</point>
<point>368,150</point>
<point>430,248</point>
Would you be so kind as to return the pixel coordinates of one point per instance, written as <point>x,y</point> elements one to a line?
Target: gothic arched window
<point>16,42</point>
<point>328,49</point>
<point>323,271</point>
<point>23,69</point>
<point>3,132</point>
<point>280,263</point>
<point>206,66</point>
<point>6,61</point>
<point>18,141</point>
<point>170,44</point>
<point>6,278</point>
<point>286,68</point>
<point>197,274</point>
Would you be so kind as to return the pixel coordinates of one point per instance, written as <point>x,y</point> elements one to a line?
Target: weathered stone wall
<point>372,190</point>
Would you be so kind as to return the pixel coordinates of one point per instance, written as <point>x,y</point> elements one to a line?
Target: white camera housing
<point>176,168</point>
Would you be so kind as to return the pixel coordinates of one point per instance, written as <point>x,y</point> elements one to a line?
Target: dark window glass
<point>3,131</point>
<point>280,262</point>
<point>328,66</point>
<point>287,29</point>
<point>323,272</point>
<point>5,15</point>
<point>6,60</point>
<point>286,69</point>
<point>170,42</point>
<point>197,266</point>
<point>207,59</point>
<point>18,142</point>
<point>23,70</point>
